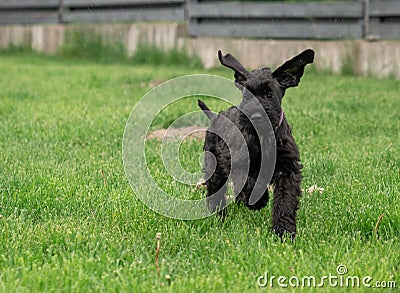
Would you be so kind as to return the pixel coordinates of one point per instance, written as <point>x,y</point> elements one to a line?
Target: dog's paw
<point>285,233</point>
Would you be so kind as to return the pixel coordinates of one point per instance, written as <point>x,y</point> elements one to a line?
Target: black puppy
<point>262,91</point>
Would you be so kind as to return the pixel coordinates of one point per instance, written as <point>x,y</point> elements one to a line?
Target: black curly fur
<point>269,88</point>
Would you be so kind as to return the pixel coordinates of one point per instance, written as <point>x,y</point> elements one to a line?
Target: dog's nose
<point>256,117</point>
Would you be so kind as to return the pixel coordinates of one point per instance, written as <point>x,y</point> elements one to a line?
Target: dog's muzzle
<point>256,117</point>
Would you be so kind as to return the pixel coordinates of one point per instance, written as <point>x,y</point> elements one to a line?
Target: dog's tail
<point>206,110</point>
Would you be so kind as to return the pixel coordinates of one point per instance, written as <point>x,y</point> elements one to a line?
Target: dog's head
<point>267,86</point>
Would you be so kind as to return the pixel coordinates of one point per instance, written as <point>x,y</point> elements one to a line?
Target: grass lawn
<point>70,221</point>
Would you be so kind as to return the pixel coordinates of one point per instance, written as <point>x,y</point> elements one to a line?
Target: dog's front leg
<point>286,202</point>
<point>243,189</point>
<point>216,189</point>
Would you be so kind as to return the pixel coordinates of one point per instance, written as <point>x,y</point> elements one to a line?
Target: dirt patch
<point>151,83</point>
<point>191,132</point>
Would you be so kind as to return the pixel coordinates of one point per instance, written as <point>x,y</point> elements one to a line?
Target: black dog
<point>224,155</point>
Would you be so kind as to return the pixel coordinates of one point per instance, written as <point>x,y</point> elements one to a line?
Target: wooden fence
<point>384,19</point>
<point>353,19</point>
<point>89,11</point>
<point>302,20</point>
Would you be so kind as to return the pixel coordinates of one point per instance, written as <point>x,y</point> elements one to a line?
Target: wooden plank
<point>90,3</point>
<point>13,4</point>
<point>384,8</point>
<point>385,30</point>
<point>122,15</point>
<point>28,17</point>
<point>343,9</point>
<point>284,30</point>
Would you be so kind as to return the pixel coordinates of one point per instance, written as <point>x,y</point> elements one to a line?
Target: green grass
<point>63,229</point>
<point>93,47</point>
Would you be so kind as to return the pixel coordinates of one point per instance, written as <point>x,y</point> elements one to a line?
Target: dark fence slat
<point>28,17</point>
<point>83,3</point>
<point>298,30</point>
<point>123,10</point>
<point>28,4</point>
<point>385,8</point>
<point>122,15</point>
<point>280,10</point>
<point>385,30</point>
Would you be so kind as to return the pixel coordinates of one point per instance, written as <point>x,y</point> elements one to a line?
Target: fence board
<point>28,17</point>
<point>85,3</point>
<point>280,10</point>
<point>28,4</point>
<point>124,15</point>
<point>385,30</point>
<point>385,8</point>
<point>299,30</point>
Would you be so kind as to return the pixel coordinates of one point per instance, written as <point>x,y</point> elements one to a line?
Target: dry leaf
<point>313,188</point>
<point>200,184</point>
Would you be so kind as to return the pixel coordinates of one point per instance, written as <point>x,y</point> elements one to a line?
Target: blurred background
<point>71,72</point>
<point>359,36</point>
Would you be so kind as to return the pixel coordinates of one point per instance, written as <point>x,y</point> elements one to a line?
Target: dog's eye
<point>268,95</point>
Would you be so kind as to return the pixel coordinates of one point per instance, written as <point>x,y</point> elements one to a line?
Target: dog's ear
<point>228,60</point>
<point>289,74</point>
